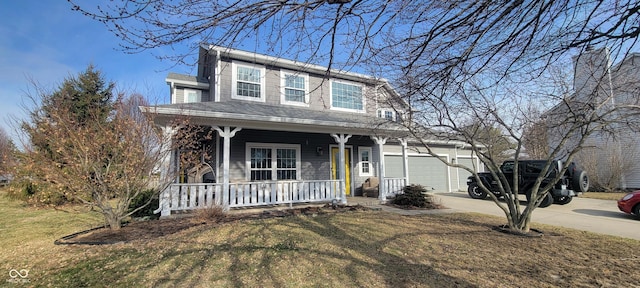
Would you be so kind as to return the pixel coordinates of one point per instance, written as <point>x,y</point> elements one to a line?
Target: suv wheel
<point>476,192</point>
<point>563,200</point>
<point>548,200</point>
<point>580,181</point>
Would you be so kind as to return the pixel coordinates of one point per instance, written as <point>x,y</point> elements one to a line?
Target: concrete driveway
<point>599,216</point>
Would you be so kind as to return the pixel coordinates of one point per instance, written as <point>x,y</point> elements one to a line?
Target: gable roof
<point>186,81</point>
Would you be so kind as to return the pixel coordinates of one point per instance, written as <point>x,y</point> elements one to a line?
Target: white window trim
<point>283,81</point>
<point>274,164</point>
<point>234,80</point>
<point>361,162</point>
<point>364,102</point>
<point>381,114</point>
<point>185,95</point>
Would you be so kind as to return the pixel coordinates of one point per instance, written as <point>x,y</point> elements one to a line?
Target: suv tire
<point>476,192</point>
<point>580,181</point>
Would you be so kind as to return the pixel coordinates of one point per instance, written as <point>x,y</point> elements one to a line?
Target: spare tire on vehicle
<point>580,181</point>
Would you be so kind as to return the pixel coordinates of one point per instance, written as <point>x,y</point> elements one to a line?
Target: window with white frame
<point>273,161</point>
<point>365,161</point>
<point>295,88</point>
<point>192,96</point>
<point>248,82</point>
<point>388,114</point>
<point>346,96</point>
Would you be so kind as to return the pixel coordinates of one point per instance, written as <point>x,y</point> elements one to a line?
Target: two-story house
<point>288,132</point>
<point>611,155</point>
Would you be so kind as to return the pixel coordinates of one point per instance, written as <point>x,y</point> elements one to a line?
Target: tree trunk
<point>112,220</point>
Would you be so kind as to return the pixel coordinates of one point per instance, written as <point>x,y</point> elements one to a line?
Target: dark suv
<point>573,182</point>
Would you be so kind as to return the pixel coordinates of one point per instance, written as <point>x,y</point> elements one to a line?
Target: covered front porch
<point>262,160</point>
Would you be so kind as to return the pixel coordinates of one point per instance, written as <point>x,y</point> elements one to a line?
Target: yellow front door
<point>335,172</point>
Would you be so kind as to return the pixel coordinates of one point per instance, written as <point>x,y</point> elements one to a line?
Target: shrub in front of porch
<point>210,214</point>
<point>415,196</point>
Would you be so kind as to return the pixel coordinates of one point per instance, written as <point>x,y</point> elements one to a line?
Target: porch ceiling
<point>281,118</point>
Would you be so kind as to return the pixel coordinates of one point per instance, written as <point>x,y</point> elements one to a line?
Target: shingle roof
<point>279,115</point>
<point>184,77</point>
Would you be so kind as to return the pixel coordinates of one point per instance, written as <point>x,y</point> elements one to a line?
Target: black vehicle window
<point>507,167</point>
<point>534,168</point>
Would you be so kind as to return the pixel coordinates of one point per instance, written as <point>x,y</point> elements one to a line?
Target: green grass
<point>355,249</point>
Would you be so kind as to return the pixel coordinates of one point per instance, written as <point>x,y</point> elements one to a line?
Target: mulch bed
<point>152,229</point>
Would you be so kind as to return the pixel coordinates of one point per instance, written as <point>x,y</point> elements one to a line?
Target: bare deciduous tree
<point>100,155</point>
<point>455,62</point>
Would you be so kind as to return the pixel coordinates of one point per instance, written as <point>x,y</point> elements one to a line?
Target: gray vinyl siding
<point>225,81</point>
<point>319,88</point>
<point>179,95</point>
<point>313,166</point>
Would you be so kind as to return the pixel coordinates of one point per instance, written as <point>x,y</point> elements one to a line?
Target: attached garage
<point>424,170</point>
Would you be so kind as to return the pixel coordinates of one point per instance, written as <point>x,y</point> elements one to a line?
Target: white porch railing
<point>393,186</point>
<point>180,197</point>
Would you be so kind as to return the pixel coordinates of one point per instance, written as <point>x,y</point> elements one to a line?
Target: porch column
<point>167,171</point>
<point>168,158</point>
<point>226,133</point>
<point>342,139</point>
<point>380,141</point>
<point>405,160</point>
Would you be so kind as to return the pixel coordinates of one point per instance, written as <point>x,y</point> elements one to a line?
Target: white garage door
<point>424,170</point>
<point>464,174</point>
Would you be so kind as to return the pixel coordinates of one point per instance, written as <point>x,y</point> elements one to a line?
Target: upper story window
<point>295,88</point>
<point>248,82</point>
<point>192,96</point>
<point>346,96</point>
<point>388,114</point>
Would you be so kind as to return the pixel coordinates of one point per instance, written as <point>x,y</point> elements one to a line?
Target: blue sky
<point>47,42</point>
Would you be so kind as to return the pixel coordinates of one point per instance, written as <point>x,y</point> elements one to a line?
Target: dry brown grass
<point>354,249</point>
<point>604,195</point>
<point>211,214</point>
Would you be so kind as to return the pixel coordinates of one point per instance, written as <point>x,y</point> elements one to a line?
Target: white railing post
<point>405,159</point>
<point>380,141</point>
<point>165,198</point>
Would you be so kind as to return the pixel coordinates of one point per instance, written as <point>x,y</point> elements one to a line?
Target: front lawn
<point>352,249</point>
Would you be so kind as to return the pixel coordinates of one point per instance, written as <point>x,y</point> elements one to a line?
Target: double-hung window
<point>365,161</point>
<point>192,96</point>
<point>295,88</point>
<point>273,161</point>
<point>388,114</point>
<point>347,96</point>
<point>248,82</point>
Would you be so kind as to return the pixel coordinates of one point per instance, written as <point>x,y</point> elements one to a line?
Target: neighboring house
<point>288,132</point>
<point>613,159</point>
